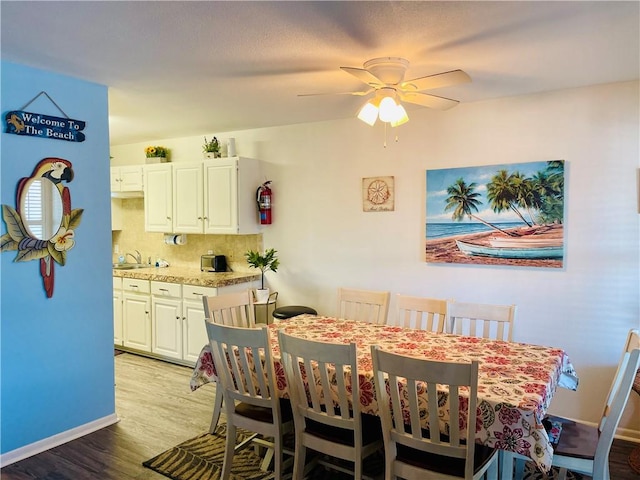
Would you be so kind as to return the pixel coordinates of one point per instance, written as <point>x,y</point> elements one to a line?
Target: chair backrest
<point>235,350</point>
<point>482,320</point>
<point>421,313</point>
<point>618,395</point>
<point>234,309</point>
<point>332,370</point>
<point>366,305</point>
<point>398,381</point>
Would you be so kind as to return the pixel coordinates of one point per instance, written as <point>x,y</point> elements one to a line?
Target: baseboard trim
<point>56,440</point>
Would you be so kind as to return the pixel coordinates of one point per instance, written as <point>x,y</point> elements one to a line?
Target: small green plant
<point>212,146</point>
<point>264,262</point>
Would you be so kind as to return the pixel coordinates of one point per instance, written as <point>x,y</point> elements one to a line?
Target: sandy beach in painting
<point>444,250</point>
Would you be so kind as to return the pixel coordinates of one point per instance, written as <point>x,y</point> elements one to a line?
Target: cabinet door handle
<point>163,289</point>
<point>198,294</point>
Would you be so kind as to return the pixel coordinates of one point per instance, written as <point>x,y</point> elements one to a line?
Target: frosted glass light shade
<point>387,109</point>
<point>400,116</point>
<point>368,113</point>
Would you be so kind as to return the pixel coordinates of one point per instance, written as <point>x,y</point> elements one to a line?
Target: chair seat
<point>371,431</point>
<point>577,440</point>
<point>292,311</point>
<point>264,414</point>
<point>444,465</point>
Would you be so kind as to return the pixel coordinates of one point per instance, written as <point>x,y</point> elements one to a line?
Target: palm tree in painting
<point>463,200</point>
<point>504,192</point>
<point>549,185</point>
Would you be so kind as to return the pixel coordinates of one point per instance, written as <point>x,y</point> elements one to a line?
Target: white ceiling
<point>199,67</point>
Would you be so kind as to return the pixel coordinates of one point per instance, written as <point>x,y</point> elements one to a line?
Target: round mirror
<point>41,208</point>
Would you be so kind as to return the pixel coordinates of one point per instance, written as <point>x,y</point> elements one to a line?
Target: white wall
<point>325,240</point>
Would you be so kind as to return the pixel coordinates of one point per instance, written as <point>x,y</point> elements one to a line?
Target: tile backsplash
<point>133,237</point>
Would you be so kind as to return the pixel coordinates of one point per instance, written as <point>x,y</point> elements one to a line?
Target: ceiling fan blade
<point>364,76</point>
<point>358,94</point>
<point>446,79</point>
<point>430,101</point>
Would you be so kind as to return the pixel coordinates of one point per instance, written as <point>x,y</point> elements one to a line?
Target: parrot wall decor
<point>42,225</point>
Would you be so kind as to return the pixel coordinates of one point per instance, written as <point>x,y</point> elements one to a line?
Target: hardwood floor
<point>157,410</point>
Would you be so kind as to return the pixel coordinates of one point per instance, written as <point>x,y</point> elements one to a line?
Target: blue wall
<point>56,355</point>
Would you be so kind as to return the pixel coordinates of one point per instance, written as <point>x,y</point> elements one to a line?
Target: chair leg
<point>562,474</point>
<point>229,450</point>
<point>299,456</point>
<point>217,408</point>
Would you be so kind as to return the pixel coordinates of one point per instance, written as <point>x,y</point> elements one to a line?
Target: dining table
<point>516,381</point>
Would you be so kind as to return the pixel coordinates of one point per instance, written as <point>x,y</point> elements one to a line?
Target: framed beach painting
<point>496,215</point>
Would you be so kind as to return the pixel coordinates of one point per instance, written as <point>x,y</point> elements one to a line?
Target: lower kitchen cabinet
<point>194,333</point>
<point>166,319</point>
<point>162,319</point>
<point>136,314</point>
<point>117,311</point>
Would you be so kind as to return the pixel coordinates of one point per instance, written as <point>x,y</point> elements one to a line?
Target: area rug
<point>201,458</point>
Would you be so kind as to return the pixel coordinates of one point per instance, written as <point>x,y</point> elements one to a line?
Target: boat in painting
<point>529,253</point>
<point>524,242</point>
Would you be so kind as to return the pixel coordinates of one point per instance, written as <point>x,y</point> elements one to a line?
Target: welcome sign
<point>31,124</point>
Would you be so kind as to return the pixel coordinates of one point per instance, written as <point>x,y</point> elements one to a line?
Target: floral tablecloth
<point>516,381</point>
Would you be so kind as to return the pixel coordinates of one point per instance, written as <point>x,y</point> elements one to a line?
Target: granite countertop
<point>188,276</point>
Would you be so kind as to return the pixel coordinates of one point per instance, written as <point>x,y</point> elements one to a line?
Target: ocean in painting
<point>442,230</point>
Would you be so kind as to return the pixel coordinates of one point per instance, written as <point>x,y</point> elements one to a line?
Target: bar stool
<point>283,313</point>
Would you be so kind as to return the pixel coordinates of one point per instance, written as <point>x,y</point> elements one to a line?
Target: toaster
<point>213,263</point>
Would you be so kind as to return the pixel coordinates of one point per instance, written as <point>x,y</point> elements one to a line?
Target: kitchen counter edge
<point>188,276</point>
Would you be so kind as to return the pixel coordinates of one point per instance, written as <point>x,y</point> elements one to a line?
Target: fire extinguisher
<point>264,203</point>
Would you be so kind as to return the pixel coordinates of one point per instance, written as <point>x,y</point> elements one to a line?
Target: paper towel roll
<point>175,239</point>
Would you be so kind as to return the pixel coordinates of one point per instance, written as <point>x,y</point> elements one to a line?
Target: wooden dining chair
<point>413,451</point>
<point>249,389</point>
<point>585,448</point>
<point>235,309</point>
<point>421,313</point>
<point>481,320</point>
<point>325,418</point>
<point>365,305</point>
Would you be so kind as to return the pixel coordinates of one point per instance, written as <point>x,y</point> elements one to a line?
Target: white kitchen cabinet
<point>116,214</point>
<point>187,198</point>
<point>166,319</point>
<point>213,196</point>
<point>158,198</point>
<point>127,179</point>
<point>117,311</point>
<point>194,332</point>
<point>136,314</point>
<point>230,195</point>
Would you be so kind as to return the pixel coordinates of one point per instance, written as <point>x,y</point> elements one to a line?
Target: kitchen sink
<point>129,266</point>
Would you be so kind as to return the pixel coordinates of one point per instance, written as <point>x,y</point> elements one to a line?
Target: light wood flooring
<point>157,410</point>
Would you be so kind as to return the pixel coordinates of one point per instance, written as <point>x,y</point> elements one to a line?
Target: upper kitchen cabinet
<point>127,181</point>
<point>230,195</point>
<point>158,195</point>
<point>216,196</point>
<point>188,206</point>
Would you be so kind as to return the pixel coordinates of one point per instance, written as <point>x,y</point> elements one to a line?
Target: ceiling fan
<point>385,78</point>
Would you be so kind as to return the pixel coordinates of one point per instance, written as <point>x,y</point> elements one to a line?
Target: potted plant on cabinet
<point>211,148</point>
<point>264,262</point>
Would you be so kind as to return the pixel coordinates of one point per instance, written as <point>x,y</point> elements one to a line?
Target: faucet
<point>137,257</point>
